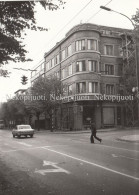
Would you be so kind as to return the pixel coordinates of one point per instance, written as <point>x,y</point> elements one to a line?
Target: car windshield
<point>24,127</point>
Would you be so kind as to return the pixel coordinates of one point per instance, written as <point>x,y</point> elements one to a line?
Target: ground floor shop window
<point>108,116</point>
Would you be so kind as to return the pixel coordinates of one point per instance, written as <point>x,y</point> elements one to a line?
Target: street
<point>68,164</point>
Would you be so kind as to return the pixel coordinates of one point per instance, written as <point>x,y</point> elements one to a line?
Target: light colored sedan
<point>24,130</point>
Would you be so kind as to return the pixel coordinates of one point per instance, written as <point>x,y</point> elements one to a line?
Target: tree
<point>33,107</point>
<point>16,17</point>
<point>129,75</point>
<point>13,110</point>
<point>135,18</point>
<point>47,92</point>
<point>4,113</point>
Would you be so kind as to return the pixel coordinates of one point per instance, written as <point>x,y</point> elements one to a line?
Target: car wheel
<point>13,136</point>
<point>18,136</point>
<point>31,135</point>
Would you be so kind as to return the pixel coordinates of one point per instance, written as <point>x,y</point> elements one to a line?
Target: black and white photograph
<point>69,97</point>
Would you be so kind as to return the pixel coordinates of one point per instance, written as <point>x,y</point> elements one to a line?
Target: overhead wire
<point>98,11</point>
<point>41,61</point>
<point>66,25</point>
<point>95,14</point>
<point>73,19</point>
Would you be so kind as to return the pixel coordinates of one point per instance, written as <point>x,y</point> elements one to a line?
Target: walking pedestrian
<point>93,133</point>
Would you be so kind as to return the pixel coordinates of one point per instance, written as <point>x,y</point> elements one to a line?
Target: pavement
<point>128,138</point>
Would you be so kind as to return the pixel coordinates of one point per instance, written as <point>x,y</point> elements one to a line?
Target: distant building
<point>20,92</point>
<point>89,62</point>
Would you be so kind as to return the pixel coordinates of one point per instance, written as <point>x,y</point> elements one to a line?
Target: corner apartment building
<point>89,63</point>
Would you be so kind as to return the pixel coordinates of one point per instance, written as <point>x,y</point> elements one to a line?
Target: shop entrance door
<point>88,114</point>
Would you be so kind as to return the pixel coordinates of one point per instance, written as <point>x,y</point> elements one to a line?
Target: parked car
<point>24,130</point>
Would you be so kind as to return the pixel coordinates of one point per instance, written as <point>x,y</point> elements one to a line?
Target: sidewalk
<point>88,130</point>
<point>75,131</point>
<point>128,138</point>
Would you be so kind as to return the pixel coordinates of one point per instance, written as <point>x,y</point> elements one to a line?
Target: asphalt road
<point>67,164</point>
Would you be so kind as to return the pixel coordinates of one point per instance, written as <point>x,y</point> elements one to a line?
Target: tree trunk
<point>38,121</point>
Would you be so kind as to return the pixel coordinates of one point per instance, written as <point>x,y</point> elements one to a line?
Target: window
<point>93,87</point>
<point>70,90</point>
<point>37,70</point>
<point>121,53</point>
<point>92,44</point>
<point>80,45</point>
<point>33,73</point>
<point>81,87</point>
<point>57,74</point>
<point>80,66</point>
<point>109,89</point>
<point>109,69</point>
<point>64,72</point>
<point>70,70</point>
<point>63,54</point>
<point>42,66</point>
<point>93,65</point>
<point>107,32</point>
<point>108,50</point>
<point>69,50</point>
<point>52,62</point>
<point>57,59</point>
<point>48,65</point>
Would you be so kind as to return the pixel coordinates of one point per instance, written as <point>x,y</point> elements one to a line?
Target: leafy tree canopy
<point>15,17</point>
<point>13,110</point>
<point>47,90</point>
<point>135,18</point>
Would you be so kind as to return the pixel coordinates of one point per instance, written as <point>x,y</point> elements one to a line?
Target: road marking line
<point>68,145</point>
<point>56,168</point>
<point>94,164</point>
<point>24,144</point>
<point>39,147</point>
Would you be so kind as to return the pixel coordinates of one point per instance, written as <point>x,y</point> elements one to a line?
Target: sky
<point>58,24</point>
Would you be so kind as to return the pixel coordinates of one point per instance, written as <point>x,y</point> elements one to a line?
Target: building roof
<point>22,90</point>
<point>86,26</point>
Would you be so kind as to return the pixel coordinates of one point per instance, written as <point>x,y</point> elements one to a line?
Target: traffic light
<point>24,80</point>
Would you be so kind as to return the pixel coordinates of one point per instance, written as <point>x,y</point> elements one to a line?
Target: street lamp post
<point>136,49</point>
<point>108,9</point>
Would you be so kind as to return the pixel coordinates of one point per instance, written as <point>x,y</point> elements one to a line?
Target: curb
<point>78,132</point>
<point>129,141</point>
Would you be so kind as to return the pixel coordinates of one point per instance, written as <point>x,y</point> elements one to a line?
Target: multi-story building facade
<point>89,62</point>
